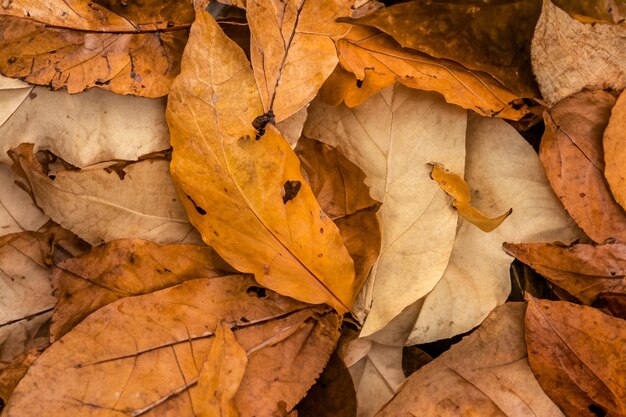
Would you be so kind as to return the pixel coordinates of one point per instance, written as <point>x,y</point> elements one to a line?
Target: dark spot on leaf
<point>612,273</point>
<point>52,177</point>
<point>260,122</point>
<point>322,230</point>
<point>582,195</point>
<point>291,190</point>
<point>199,209</point>
<point>32,94</point>
<point>258,291</point>
<point>359,83</point>
<point>11,60</point>
<point>244,320</point>
<point>319,255</point>
<point>105,82</point>
<point>131,258</point>
<point>597,410</point>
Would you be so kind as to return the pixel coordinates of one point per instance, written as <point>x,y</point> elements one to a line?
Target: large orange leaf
<point>247,197</point>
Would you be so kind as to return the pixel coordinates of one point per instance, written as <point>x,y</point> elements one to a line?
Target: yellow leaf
<point>247,197</point>
<point>479,219</point>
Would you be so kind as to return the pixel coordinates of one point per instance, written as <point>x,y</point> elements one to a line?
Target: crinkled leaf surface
<point>392,137</point>
<point>572,155</point>
<point>247,197</point>
<point>128,48</point>
<point>291,49</point>
<point>486,374</point>
<point>102,204</point>
<point>123,268</point>
<point>142,355</point>
<point>592,56</point>
<point>577,354</point>
<point>615,151</point>
<point>17,211</point>
<point>86,128</point>
<point>377,61</point>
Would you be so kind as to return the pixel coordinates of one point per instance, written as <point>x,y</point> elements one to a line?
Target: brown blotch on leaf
<point>291,190</point>
<point>199,209</point>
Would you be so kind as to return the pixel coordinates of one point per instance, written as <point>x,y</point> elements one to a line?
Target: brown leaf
<point>248,197</point>
<point>128,48</point>
<point>590,11</point>
<point>584,271</point>
<point>142,355</point>
<point>613,304</point>
<point>571,153</point>
<point>577,354</point>
<point>124,268</point>
<point>12,373</point>
<point>492,37</point>
<point>486,374</point>
<point>377,61</point>
<point>292,52</point>
<point>615,151</point>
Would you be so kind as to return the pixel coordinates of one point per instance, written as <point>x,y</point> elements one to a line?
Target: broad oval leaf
<point>247,197</point>
<point>142,355</point>
<point>615,152</point>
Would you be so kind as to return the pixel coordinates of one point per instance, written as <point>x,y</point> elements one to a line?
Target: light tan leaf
<point>87,128</point>
<point>504,172</point>
<point>124,268</point>
<point>17,211</point>
<point>12,94</point>
<point>142,355</point>
<point>248,197</point>
<point>291,127</point>
<point>292,52</point>
<point>486,374</point>
<point>577,354</point>
<point>572,155</point>
<point>592,56</point>
<point>128,48</point>
<point>377,61</point>
<point>392,137</point>
<point>615,151</point>
<point>99,205</point>
<point>220,376</point>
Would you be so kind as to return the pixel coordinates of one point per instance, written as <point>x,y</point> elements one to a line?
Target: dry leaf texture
<point>577,354</point>
<point>486,374</point>
<point>18,212</point>
<point>568,56</point>
<point>615,152</point>
<point>142,355</point>
<point>247,197</point>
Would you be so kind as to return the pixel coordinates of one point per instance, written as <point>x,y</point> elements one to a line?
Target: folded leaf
<point>592,56</point>
<point>123,268</point>
<point>142,355</point>
<point>571,153</point>
<point>102,204</point>
<point>577,354</point>
<point>12,94</point>
<point>486,374</point>
<point>291,49</point>
<point>247,197</point>
<point>615,152</point>
<point>584,271</point>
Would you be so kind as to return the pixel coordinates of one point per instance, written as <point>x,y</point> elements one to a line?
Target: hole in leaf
<point>597,410</point>
<point>258,291</point>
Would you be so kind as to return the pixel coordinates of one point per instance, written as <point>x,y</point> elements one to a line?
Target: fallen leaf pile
<point>332,208</point>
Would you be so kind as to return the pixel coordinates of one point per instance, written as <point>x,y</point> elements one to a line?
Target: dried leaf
<point>98,205</point>
<point>377,61</point>
<point>493,37</point>
<point>591,11</point>
<point>592,56</point>
<point>87,128</point>
<point>292,52</point>
<point>392,137</point>
<point>486,374</point>
<point>142,355</point>
<point>615,152</point>
<point>132,48</point>
<point>124,268</point>
<point>577,354</point>
<point>17,211</point>
<point>613,304</point>
<point>13,373</point>
<point>220,376</point>
<point>584,271</point>
<point>291,127</point>
<point>247,197</point>
<point>12,94</point>
<point>571,153</point>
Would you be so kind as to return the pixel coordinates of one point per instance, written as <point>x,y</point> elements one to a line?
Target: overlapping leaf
<point>17,211</point>
<point>247,197</point>
<point>615,151</point>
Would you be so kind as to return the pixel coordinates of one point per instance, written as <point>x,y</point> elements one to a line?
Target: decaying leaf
<point>486,374</point>
<point>615,152</point>
<point>392,137</point>
<point>612,303</point>
<point>577,354</point>
<point>101,204</point>
<point>291,50</point>
<point>26,299</point>
<point>477,277</point>
<point>571,153</point>
<point>142,355</point>
<point>493,37</point>
<point>13,372</point>
<point>377,61</point>
<point>128,48</point>
<point>124,268</point>
<point>247,197</point>
<point>568,56</point>
<point>584,271</point>
<point>18,213</point>
<point>87,128</point>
